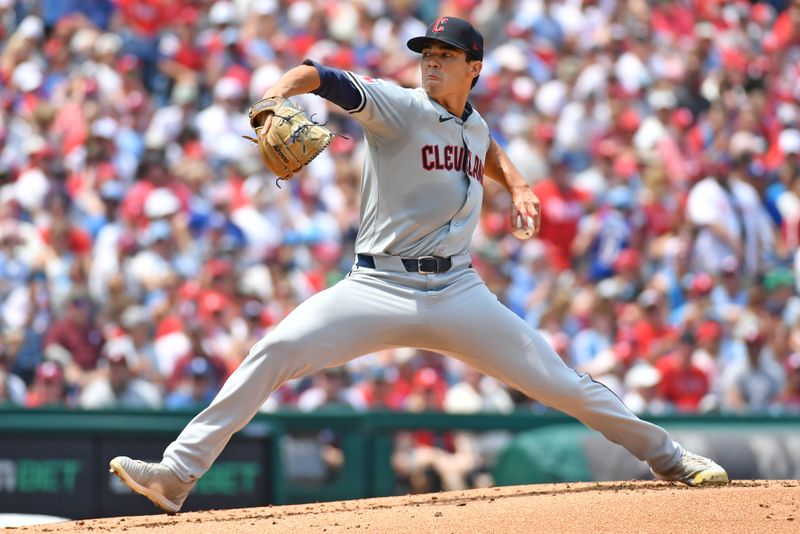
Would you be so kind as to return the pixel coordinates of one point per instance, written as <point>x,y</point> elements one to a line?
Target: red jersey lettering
<point>452,158</point>
<point>439,165</point>
<point>427,164</point>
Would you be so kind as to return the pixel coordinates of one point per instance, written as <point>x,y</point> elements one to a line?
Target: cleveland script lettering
<point>452,158</point>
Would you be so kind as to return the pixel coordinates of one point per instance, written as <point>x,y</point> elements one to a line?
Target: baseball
<point>521,227</point>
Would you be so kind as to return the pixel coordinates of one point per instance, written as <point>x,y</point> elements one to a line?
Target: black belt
<point>424,265</point>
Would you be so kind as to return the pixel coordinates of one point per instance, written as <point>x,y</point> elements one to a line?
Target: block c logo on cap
<point>438,26</point>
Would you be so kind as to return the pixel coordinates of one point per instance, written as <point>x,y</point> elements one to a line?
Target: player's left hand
<point>527,206</point>
<point>286,138</point>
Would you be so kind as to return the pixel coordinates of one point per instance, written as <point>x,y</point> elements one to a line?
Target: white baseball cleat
<point>695,470</point>
<point>157,482</point>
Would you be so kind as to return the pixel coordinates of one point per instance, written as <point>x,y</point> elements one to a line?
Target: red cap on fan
<point>49,372</point>
<point>212,302</point>
<point>708,330</point>
<point>629,120</point>
<point>702,284</point>
<point>628,259</point>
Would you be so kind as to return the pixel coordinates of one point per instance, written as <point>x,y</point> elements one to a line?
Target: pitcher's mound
<point>742,506</point>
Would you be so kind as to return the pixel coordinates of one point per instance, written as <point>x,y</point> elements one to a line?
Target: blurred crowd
<point>144,247</point>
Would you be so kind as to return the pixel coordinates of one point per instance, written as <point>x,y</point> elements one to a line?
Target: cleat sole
<point>709,478</point>
<point>154,497</point>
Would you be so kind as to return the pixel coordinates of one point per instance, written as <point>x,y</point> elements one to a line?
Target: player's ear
<point>475,68</point>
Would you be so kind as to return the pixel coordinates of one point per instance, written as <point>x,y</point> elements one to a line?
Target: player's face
<point>445,70</point>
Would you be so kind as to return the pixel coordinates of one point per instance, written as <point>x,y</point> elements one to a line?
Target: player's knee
<point>558,395</point>
<point>571,393</point>
<point>282,352</point>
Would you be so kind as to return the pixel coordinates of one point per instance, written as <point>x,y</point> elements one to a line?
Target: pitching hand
<point>527,212</point>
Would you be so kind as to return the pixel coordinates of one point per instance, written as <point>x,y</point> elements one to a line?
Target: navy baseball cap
<point>453,31</point>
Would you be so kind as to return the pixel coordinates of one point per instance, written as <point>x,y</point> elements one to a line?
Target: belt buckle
<point>423,270</point>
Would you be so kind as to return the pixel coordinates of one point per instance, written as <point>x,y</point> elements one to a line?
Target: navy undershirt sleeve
<point>336,86</point>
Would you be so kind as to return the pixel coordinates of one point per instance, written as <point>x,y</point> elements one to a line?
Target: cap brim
<point>416,44</point>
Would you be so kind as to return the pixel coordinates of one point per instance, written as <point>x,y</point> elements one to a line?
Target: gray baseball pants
<point>453,313</point>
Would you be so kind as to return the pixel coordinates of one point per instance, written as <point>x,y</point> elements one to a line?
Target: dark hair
<point>688,337</point>
<point>152,157</point>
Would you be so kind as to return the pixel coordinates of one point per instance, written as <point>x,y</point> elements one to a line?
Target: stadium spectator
<point>791,395</point>
<point>755,381</point>
<point>562,208</point>
<point>26,315</point>
<point>199,347</point>
<point>425,460</point>
<point>729,296</point>
<point>610,366</point>
<point>596,336</point>
<point>730,220</point>
<point>641,390</point>
<point>697,307</point>
<point>476,393</point>
<point>604,233</point>
<point>137,323</point>
<point>627,281</point>
<point>330,389</point>
<point>376,390</point>
<point>654,335</point>
<point>12,387</point>
<point>683,385</point>
<point>116,386</point>
<point>707,355</point>
<point>780,300</point>
<point>196,390</point>
<point>49,389</point>
<point>666,159</point>
<point>470,465</point>
<point>76,333</point>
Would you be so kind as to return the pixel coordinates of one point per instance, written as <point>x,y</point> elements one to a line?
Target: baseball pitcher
<point>412,284</point>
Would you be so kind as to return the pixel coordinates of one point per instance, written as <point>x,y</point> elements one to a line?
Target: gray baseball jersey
<point>421,196</point>
<point>422,183</point>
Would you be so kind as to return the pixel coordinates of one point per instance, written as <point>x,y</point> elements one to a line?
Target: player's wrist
<point>519,186</point>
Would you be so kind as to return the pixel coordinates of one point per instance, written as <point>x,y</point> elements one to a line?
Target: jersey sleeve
<point>336,86</point>
<point>387,110</point>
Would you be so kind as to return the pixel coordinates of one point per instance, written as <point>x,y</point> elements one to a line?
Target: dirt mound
<point>743,506</point>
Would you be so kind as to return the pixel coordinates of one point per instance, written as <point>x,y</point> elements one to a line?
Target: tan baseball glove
<point>286,138</point>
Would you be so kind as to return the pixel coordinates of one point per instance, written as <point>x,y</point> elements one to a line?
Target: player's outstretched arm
<point>297,81</point>
<point>499,167</point>
<point>291,143</point>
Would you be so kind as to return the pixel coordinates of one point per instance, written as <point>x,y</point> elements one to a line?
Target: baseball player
<point>412,284</point>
